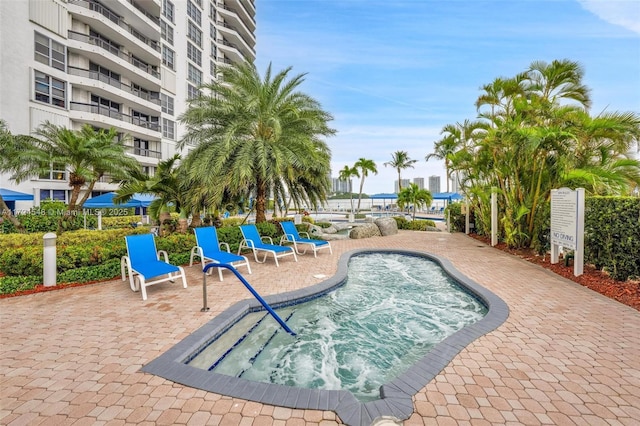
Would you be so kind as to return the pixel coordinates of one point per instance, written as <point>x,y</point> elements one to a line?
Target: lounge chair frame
<point>143,269</point>
<point>253,241</point>
<point>292,235</point>
<point>209,249</point>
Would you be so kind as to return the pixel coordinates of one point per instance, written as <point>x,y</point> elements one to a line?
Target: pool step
<point>233,358</point>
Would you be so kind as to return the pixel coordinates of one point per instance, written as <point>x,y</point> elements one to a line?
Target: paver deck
<point>566,355</point>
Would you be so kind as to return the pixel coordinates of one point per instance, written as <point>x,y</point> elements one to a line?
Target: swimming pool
<point>359,336</point>
<point>395,396</point>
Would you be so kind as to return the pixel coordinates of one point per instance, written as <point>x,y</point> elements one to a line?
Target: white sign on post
<point>567,225</point>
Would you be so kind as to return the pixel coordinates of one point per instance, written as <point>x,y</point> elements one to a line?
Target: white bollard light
<point>49,260</point>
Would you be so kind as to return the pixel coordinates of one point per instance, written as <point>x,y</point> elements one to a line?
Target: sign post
<point>567,225</point>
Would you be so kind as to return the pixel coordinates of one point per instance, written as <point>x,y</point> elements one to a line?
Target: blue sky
<point>393,73</point>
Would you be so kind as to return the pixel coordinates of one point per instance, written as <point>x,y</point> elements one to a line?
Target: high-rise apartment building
<point>419,181</point>
<point>341,186</point>
<point>128,64</point>
<point>434,184</point>
<point>396,187</point>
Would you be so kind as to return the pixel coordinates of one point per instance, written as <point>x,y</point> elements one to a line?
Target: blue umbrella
<point>106,201</point>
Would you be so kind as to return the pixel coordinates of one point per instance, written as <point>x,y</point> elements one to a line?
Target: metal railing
<point>97,7</point>
<point>144,152</point>
<point>153,97</point>
<point>115,50</point>
<point>111,113</point>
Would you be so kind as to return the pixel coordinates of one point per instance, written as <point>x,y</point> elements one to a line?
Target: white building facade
<point>128,64</point>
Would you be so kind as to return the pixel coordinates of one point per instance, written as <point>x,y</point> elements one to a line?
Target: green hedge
<point>414,225</point>
<point>612,235</point>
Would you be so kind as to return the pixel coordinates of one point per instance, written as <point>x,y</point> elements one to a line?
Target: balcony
<point>111,16</point>
<point>153,97</point>
<point>231,33</point>
<point>231,51</point>
<point>108,112</point>
<point>143,152</point>
<point>116,51</point>
<point>240,19</point>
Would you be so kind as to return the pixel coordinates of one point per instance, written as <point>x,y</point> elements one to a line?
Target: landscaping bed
<point>626,292</point>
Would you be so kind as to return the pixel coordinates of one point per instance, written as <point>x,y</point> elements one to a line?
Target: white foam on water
<point>393,309</point>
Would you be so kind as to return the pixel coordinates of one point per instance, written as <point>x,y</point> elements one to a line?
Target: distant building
<point>419,181</point>
<point>396,187</point>
<point>434,184</point>
<point>338,185</point>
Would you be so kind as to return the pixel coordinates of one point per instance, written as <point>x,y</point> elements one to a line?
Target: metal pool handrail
<point>247,285</point>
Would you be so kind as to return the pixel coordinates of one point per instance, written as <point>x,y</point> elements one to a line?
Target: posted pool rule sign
<point>567,225</point>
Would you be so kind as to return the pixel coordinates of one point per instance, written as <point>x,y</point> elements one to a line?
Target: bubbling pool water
<point>391,311</point>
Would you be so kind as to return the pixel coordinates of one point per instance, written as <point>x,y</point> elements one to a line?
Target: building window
<point>50,90</point>
<point>49,52</point>
<point>198,2</point>
<point>106,106</point>
<point>167,10</point>
<point>214,51</point>
<point>212,11</point>
<point>212,32</point>
<point>105,74</point>
<point>194,75</point>
<point>53,194</point>
<point>168,57</point>
<point>144,120</point>
<point>194,13</point>
<point>194,34</point>
<point>166,32</point>
<point>168,129</point>
<point>140,147</point>
<point>148,170</point>
<point>55,172</point>
<point>167,104</point>
<point>194,54</point>
<point>192,92</point>
<point>212,68</point>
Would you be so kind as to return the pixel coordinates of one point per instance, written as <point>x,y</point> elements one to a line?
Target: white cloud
<point>625,13</point>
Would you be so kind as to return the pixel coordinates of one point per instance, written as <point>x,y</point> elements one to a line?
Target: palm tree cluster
<point>534,133</point>
<point>87,154</point>
<point>248,138</point>
<point>257,137</point>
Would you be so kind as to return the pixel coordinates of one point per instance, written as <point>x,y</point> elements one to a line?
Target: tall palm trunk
<point>261,201</point>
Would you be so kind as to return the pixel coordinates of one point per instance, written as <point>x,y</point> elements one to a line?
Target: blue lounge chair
<point>252,240</point>
<point>143,263</point>
<point>208,248</point>
<point>291,235</point>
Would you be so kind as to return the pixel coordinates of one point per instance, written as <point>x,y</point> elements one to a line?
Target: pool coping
<point>396,396</point>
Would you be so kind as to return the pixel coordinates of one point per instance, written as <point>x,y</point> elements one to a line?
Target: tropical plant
<point>9,147</point>
<point>364,167</point>
<point>346,173</point>
<point>414,196</point>
<point>86,154</point>
<point>538,135</point>
<point>400,160</point>
<point>170,186</point>
<point>258,135</point>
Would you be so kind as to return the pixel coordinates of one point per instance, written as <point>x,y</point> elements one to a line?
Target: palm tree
<point>559,80</point>
<point>170,186</point>
<point>345,175</point>
<point>364,166</point>
<point>400,160</point>
<point>414,196</point>
<point>456,136</point>
<point>258,135</point>
<point>87,155</point>
<point>9,148</point>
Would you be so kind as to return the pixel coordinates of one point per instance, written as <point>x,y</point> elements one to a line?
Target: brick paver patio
<point>566,355</point>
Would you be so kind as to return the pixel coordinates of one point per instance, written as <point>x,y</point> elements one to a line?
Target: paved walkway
<point>565,355</point>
